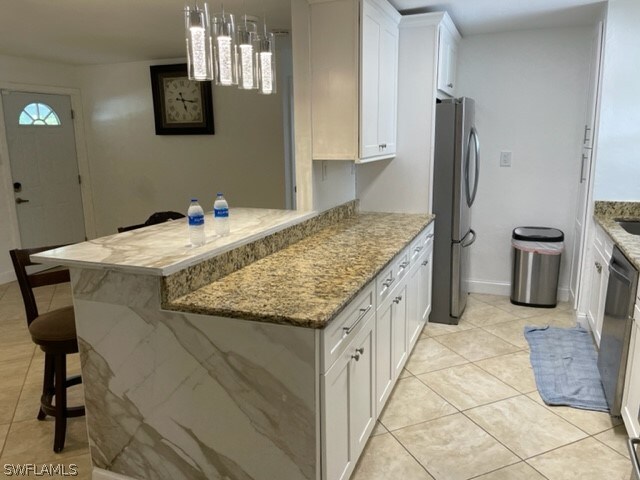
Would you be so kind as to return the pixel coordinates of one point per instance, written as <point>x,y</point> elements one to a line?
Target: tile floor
<point>465,407</point>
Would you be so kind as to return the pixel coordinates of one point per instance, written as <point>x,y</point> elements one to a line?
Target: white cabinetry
<point>364,350</point>
<point>354,79</point>
<point>601,255</point>
<point>631,398</point>
<point>447,56</point>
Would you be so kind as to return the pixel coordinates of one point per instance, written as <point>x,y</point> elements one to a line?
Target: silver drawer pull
<point>360,350</point>
<point>397,299</point>
<point>404,265</point>
<point>387,283</point>
<point>418,249</point>
<point>363,313</point>
<point>425,263</point>
<point>598,267</point>
<point>429,236</point>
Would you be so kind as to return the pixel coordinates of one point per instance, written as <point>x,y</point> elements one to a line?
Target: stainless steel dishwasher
<point>616,328</point>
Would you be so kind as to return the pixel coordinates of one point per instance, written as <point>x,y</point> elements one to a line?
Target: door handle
<point>21,200</point>
<point>473,239</point>
<point>582,177</point>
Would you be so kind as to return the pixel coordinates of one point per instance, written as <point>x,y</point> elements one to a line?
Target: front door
<point>44,168</point>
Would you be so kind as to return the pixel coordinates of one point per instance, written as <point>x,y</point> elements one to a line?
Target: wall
<point>530,92</point>
<point>618,155</point>
<point>333,183</point>
<point>16,72</point>
<point>135,172</point>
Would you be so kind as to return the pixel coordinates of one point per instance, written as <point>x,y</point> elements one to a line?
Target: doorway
<point>44,168</point>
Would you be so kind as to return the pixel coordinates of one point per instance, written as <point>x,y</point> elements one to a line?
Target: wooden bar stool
<point>55,333</point>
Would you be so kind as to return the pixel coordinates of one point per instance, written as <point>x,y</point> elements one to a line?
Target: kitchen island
<point>213,362</point>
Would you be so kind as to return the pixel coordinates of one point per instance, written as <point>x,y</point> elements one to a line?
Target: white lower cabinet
<point>349,404</point>
<point>365,350</point>
<point>631,396</point>
<point>601,255</point>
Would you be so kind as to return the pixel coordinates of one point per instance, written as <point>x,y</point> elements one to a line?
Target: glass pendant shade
<point>198,37</point>
<point>266,60</point>
<point>224,47</point>
<point>247,46</point>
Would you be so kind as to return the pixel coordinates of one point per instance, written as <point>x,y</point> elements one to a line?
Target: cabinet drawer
<point>346,325</point>
<point>402,264</point>
<point>385,281</point>
<point>421,243</point>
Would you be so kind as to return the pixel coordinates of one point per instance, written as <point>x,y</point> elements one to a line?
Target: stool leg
<point>61,402</point>
<point>47,385</point>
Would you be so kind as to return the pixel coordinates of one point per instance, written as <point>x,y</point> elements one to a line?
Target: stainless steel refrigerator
<point>455,184</point>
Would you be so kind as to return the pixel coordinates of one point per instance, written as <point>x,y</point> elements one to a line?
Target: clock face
<point>182,100</point>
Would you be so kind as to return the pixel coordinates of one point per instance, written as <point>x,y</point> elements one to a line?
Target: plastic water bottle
<point>221,215</point>
<point>196,223</point>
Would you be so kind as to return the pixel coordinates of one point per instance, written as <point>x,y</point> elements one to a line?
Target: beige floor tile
<point>36,369</point>
<point>429,355</point>
<point>384,459</point>
<point>524,426</point>
<point>412,402</point>
<point>476,344</point>
<point>490,299</point>
<point>454,448</point>
<point>4,429</point>
<point>404,373</point>
<point>17,350</point>
<point>8,401</point>
<point>82,465</point>
<point>13,372</point>
<point>433,329</point>
<point>29,402</point>
<point>519,471</point>
<point>378,429</point>
<point>512,332</point>
<point>586,420</point>
<point>32,441</point>
<point>587,459</point>
<point>12,309</point>
<point>514,369</point>
<point>487,315</point>
<point>563,318</point>
<point>467,386</point>
<point>615,438</point>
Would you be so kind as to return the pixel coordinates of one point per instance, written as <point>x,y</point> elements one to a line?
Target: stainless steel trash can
<point>536,255</point>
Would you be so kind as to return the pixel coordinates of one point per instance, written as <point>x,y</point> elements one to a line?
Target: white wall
<point>530,92</point>
<point>618,152</point>
<point>135,172</point>
<point>14,73</point>
<point>333,183</point>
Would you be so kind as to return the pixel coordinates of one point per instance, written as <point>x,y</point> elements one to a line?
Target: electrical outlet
<point>505,159</point>
<point>323,166</point>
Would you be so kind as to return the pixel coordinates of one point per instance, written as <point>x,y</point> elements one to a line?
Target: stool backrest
<point>28,281</point>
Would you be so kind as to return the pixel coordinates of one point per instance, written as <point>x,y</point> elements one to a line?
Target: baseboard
<point>8,276</point>
<point>504,288</point>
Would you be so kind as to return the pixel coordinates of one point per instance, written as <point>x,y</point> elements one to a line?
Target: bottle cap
<point>219,194</point>
<point>194,199</point>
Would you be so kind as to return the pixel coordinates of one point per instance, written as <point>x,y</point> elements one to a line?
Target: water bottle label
<point>220,212</point>
<point>196,220</point>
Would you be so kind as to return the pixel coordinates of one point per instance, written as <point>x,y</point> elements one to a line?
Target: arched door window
<point>38,114</point>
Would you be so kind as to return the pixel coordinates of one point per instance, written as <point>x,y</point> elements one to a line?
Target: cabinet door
<point>388,88</point>
<point>399,329</point>
<point>595,299</point>
<point>414,315</point>
<point>372,34</point>
<point>384,359</point>
<point>426,274</point>
<point>447,61</point>
<point>631,398</point>
<point>348,405</point>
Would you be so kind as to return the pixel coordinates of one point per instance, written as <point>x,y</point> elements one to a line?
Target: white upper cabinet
<point>448,39</point>
<point>354,79</point>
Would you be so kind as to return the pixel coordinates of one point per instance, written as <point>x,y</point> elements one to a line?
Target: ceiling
<point>82,32</point>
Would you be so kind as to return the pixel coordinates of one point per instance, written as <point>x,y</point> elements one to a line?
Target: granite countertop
<point>164,249</point>
<point>308,283</point>
<point>606,213</point>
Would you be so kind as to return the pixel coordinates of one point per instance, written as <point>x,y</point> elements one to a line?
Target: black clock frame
<point>158,73</point>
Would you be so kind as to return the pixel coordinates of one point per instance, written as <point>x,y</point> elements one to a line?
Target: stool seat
<point>55,330</point>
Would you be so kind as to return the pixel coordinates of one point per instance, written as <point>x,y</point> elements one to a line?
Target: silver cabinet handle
<point>586,130</point>
<point>387,283</point>
<point>397,299</point>
<point>425,263</point>
<point>418,249</point>
<point>450,85</point>
<point>598,267</point>
<point>631,443</point>
<point>21,200</point>
<point>360,350</point>
<point>363,313</point>
<point>584,158</point>
<point>404,265</point>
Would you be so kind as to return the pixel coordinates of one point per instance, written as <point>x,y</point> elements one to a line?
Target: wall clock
<point>181,106</point>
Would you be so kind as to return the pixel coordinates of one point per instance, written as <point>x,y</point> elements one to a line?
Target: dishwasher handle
<point>631,443</point>
<point>619,274</point>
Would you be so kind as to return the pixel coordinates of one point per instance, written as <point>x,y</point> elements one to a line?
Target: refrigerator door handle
<point>471,195</point>
<point>473,239</point>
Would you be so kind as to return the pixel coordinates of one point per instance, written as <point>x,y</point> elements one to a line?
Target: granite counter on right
<point>606,213</point>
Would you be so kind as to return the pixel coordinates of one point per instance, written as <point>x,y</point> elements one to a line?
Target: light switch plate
<point>505,159</point>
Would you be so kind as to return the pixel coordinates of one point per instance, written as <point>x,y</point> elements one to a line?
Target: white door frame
<point>81,154</point>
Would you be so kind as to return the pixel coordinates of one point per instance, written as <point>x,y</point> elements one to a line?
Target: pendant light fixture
<point>224,33</point>
<point>247,45</point>
<point>198,38</point>
<point>266,59</point>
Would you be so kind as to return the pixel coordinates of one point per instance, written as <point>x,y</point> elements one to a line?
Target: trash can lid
<point>538,234</point>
